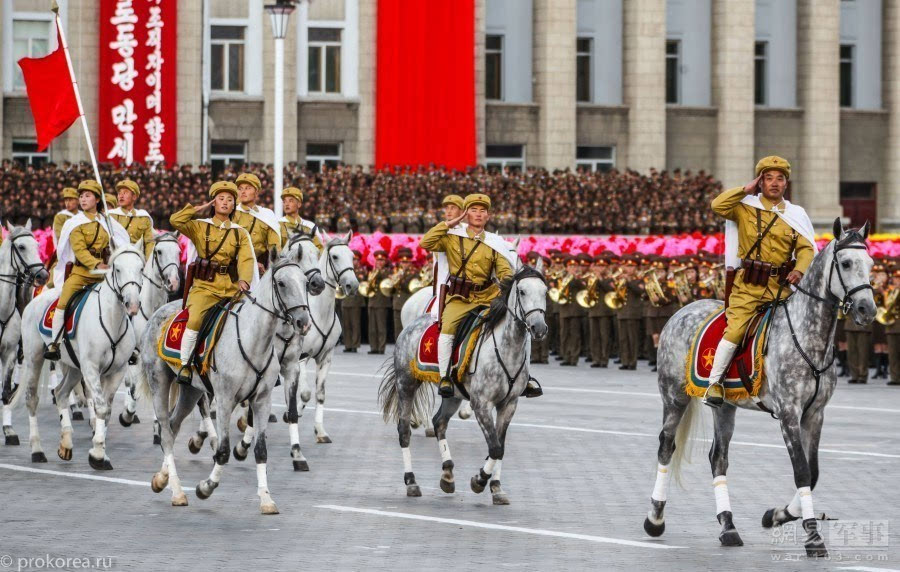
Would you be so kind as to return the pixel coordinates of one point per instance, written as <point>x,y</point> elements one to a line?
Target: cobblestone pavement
<point>579,470</point>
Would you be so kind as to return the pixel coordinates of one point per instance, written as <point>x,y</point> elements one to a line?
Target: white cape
<point>491,239</point>
<point>264,215</point>
<point>795,216</point>
<point>67,213</point>
<point>64,252</point>
<point>191,250</point>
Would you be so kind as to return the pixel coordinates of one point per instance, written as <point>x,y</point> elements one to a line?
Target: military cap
<point>130,185</point>
<point>584,259</point>
<point>404,254</point>
<point>532,256</point>
<point>223,187</point>
<point>69,193</point>
<point>570,259</point>
<point>477,199</point>
<point>356,254</point>
<point>453,200</point>
<point>292,192</point>
<point>773,162</point>
<point>249,178</point>
<point>111,200</point>
<point>380,254</point>
<point>90,185</point>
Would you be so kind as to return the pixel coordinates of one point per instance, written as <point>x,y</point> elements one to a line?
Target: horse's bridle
<point>844,304</point>
<point>24,273</point>
<point>119,289</point>
<point>303,237</point>
<point>334,270</point>
<point>160,269</point>
<point>520,319</point>
<point>281,312</point>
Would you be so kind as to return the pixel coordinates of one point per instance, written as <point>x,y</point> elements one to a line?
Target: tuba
<point>423,280</point>
<point>388,285</point>
<point>367,288</point>
<point>888,314</point>
<point>718,281</point>
<point>617,298</point>
<point>653,288</point>
<point>682,286</point>
<point>559,294</point>
<point>588,298</point>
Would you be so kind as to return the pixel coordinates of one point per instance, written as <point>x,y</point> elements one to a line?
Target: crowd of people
<point>533,201</point>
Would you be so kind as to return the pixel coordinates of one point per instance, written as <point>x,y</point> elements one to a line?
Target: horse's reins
<point>23,276</point>
<point>337,277</point>
<point>301,237</point>
<point>159,269</point>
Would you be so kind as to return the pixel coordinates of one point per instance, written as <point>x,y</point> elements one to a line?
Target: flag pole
<point>54,7</point>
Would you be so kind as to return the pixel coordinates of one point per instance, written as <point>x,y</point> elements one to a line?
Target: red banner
<point>137,81</point>
<point>425,85</point>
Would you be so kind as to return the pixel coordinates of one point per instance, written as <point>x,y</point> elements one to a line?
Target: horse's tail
<point>20,387</point>
<point>685,439</point>
<point>389,397</point>
<point>174,393</point>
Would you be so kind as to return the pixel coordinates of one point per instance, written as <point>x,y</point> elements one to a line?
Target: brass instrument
<point>888,314</point>
<point>653,288</point>
<point>588,298</point>
<point>423,280</point>
<point>388,285</point>
<point>560,294</point>
<point>718,281</point>
<point>617,298</point>
<point>682,287</point>
<point>367,288</point>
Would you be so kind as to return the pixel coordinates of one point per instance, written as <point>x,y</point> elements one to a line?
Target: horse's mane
<point>498,308</point>
<point>16,232</point>
<point>850,236</point>
<point>168,236</point>
<point>338,241</point>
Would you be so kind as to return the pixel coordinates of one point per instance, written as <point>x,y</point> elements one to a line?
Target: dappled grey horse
<point>244,369</point>
<point>20,269</point>
<point>500,363</point>
<point>800,380</point>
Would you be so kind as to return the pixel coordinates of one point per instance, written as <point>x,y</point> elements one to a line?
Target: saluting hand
<point>753,186</point>
<point>457,220</point>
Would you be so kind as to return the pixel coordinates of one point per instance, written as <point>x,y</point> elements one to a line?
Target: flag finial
<point>54,7</point>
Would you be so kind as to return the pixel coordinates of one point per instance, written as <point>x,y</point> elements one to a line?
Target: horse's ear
<point>864,231</point>
<point>539,265</point>
<point>274,254</point>
<point>9,226</point>
<point>838,229</point>
<point>515,243</point>
<point>28,224</point>
<point>349,236</point>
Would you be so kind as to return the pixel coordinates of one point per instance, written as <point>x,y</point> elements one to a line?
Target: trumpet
<point>367,288</point>
<point>718,281</point>
<point>388,285</point>
<point>588,298</point>
<point>619,296</point>
<point>423,280</point>
<point>560,294</point>
<point>888,314</point>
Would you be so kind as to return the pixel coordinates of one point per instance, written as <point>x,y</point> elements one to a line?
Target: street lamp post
<point>280,15</point>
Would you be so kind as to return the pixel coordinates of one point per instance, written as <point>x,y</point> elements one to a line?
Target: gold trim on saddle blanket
<point>430,376</point>
<point>210,342</point>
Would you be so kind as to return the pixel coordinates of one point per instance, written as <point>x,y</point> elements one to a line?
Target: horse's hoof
<point>323,439</point>
<point>730,537</point>
<point>64,453</point>
<point>500,499</point>
<point>429,432</point>
<point>193,448</point>
<point>477,486</point>
<point>238,455</point>
<point>273,419</point>
<point>12,440</point>
<point>158,482</point>
<point>448,487</point>
<point>768,519</point>
<point>38,457</point>
<point>816,550</point>
<point>654,530</point>
<point>413,491</point>
<point>179,500</point>
<point>77,416</point>
<point>269,508</point>
<point>135,419</point>
<point>157,440</point>
<point>302,466</point>
<point>205,489</point>
<point>241,424</point>
<point>99,464</point>
<point>284,417</point>
<point>123,422</point>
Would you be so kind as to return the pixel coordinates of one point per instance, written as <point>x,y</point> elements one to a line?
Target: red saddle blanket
<point>46,324</point>
<point>425,366</point>
<point>173,331</point>
<point>703,350</point>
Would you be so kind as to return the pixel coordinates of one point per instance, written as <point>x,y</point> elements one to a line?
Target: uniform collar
<point>770,206</point>
<point>473,235</point>
<point>91,217</point>
<point>252,209</point>
<point>225,224</point>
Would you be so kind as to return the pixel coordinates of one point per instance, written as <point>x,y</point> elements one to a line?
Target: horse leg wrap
<point>720,487</point>
<point>661,488</point>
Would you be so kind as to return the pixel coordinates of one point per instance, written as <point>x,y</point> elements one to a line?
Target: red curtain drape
<point>425,83</point>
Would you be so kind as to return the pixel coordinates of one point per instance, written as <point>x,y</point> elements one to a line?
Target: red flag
<point>50,94</point>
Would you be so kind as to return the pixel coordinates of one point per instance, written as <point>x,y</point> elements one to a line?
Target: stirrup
<point>714,401</point>
<point>532,388</point>
<point>185,375</point>
<point>445,388</point>
<point>52,352</point>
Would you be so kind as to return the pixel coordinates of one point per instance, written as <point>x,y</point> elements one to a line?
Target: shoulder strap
<point>760,234</point>
<point>96,235</point>
<point>465,257</point>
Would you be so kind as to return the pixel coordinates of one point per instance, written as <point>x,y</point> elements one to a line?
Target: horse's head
<point>25,258</point>
<point>166,260</point>
<point>527,300</point>
<point>340,264</point>
<point>289,292</point>
<point>302,250</point>
<point>126,275</point>
<point>850,271</point>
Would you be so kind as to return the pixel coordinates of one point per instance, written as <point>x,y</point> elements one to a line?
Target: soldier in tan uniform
<point>292,201</point>
<point>259,222</point>
<point>70,209</point>
<point>453,207</point>
<point>224,265</point>
<point>764,237</point>
<point>136,221</point>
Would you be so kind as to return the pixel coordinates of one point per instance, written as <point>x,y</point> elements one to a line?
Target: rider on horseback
<point>473,255</point>
<point>771,241</point>
<point>291,222</point>
<point>260,222</point>
<point>225,262</point>
<point>83,244</point>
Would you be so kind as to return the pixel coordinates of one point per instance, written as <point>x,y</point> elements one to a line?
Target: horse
<point>98,353</point>
<point>800,380</point>
<point>20,269</point>
<point>161,278</point>
<point>243,370</point>
<point>499,377</point>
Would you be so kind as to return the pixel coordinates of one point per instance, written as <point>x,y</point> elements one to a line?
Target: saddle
<point>424,366</point>
<point>73,313</point>
<point>746,375</point>
<point>169,344</point>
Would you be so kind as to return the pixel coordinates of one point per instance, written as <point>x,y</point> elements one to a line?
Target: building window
<point>25,152</point>
<point>584,47</point>
<point>319,154</point>
<point>227,153</point>
<point>227,58</point>
<point>500,157</point>
<point>493,67</point>
<point>846,75</point>
<point>595,158</point>
<point>31,39</point>
<point>673,67</point>
<point>760,56</point>
<point>324,73</point>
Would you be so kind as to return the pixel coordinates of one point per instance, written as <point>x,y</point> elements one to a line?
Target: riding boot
<point>52,351</point>
<point>715,393</point>
<point>188,342</point>
<point>445,352</point>
<point>842,363</point>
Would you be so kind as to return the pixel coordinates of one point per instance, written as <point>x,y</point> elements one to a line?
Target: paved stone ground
<point>579,470</point>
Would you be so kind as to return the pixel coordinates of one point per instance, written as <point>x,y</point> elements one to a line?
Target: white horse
<point>20,268</point>
<point>243,369</point>
<point>161,279</point>
<point>100,348</point>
